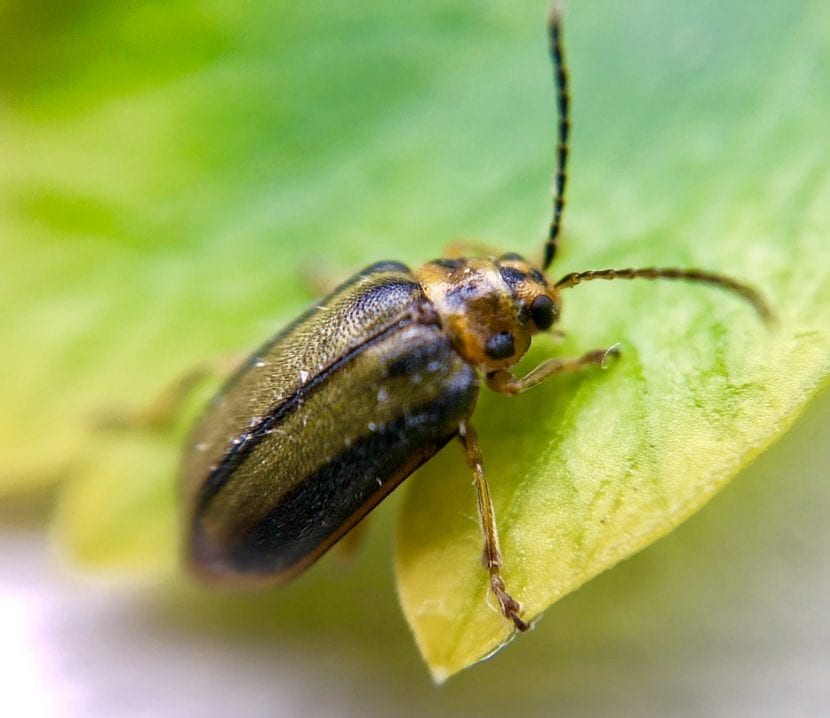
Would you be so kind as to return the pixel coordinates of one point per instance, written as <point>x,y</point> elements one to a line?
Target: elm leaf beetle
<point>336,410</point>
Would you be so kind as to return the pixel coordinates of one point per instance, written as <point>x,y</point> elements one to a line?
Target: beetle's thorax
<point>486,306</point>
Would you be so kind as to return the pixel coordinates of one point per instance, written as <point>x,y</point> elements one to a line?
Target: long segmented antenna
<point>563,101</point>
<point>689,275</point>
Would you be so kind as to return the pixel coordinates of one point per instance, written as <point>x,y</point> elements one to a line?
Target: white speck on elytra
<point>383,394</point>
<point>260,363</point>
<point>303,376</point>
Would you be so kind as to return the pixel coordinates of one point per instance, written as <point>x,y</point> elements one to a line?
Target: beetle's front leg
<point>504,382</point>
<point>510,607</point>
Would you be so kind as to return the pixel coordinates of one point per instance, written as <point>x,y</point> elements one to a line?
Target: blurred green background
<point>171,173</point>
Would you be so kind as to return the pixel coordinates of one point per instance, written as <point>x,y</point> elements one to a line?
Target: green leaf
<point>111,511</point>
<point>170,171</point>
<point>722,168</point>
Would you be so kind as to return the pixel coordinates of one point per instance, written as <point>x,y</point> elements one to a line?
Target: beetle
<point>330,415</point>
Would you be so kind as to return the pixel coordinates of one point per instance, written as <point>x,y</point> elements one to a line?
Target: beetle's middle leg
<point>349,545</point>
<point>504,382</point>
<point>161,412</point>
<point>510,607</point>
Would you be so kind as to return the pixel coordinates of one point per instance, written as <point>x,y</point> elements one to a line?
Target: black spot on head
<point>512,257</point>
<point>512,277</point>
<point>448,263</point>
<point>541,311</point>
<point>500,346</point>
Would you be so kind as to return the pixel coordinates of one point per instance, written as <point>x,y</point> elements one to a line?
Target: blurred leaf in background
<point>170,171</point>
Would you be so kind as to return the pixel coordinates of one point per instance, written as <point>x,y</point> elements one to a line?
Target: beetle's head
<point>490,307</point>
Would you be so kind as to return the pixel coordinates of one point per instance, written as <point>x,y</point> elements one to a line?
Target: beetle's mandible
<point>330,415</point>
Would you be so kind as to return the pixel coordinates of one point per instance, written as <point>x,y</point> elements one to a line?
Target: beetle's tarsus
<point>521,625</point>
<point>510,607</point>
<point>504,382</point>
<point>613,352</point>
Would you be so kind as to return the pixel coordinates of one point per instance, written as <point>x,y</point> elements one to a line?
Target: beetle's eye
<point>541,311</point>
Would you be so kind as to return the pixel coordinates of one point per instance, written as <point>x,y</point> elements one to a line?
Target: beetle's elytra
<point>341,407</point>
<point>329,416</point>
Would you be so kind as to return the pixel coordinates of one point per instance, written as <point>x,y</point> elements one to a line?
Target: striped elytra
<point>322,423</point>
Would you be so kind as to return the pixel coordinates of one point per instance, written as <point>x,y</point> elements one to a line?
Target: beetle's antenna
<point>563,101</point>
<point>689,275</point>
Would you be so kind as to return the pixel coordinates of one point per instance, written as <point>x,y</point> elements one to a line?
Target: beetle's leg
<point>510,607</point>
<point>161,412</point>
<point>504,382</point>
<point>320,279</point>
<point>348,546</point>
<point>461,248</point>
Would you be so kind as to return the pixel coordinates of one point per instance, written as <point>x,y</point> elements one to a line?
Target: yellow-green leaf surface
<point>171,173</point>
<point>731,170</point>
